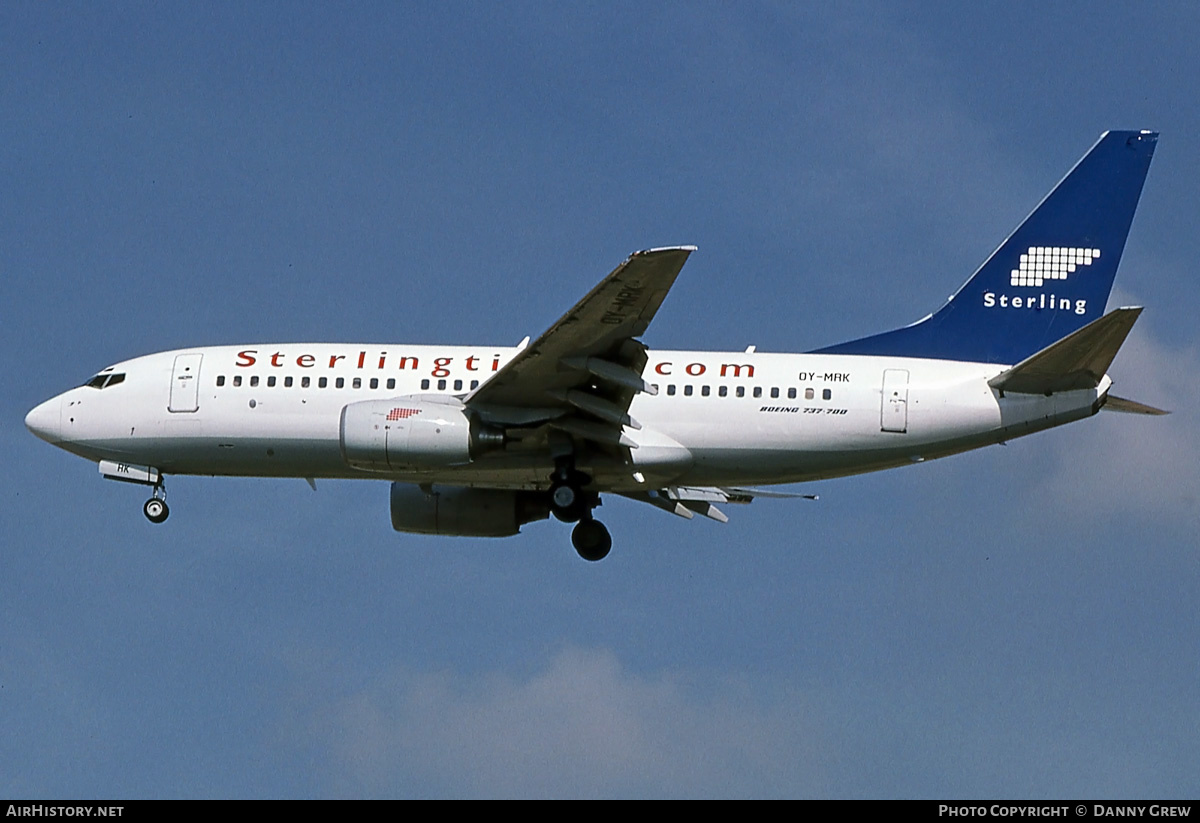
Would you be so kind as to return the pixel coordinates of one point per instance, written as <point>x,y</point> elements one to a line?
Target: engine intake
<point>413,432</point>
<point>461,512</point>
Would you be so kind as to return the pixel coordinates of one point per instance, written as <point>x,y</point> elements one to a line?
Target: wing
<point>688,501</point>
<point>585,369</point>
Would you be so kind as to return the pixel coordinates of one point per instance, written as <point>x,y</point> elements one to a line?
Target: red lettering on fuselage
<point>665,367</point>
<point>441,366</point>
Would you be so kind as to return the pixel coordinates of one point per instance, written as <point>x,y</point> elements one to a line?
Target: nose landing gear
<point>155,508</point>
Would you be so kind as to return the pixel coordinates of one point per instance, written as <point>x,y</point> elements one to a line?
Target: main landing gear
<point>571,504</point>
<point>591,539</point>
<point>155,508</point>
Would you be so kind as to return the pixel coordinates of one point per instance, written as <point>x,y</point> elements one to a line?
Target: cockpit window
<point>105,379</point>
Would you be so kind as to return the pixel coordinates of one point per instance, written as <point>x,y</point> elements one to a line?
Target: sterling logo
<point>1034,301</point>
<point>402,414</point>
<point>1042,263</point>
<point>1039,265</point>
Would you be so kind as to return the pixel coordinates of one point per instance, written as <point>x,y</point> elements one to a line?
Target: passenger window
<point>458,385</point>
<point>254,381</point>
<point>774,391</point>
<point>474,385</point>
<point>671,390</point>
<point>758,391</point>
<point>340,383</point>
<point>792,393</point>
<point>220,380</point>
<point>374,382</point>
<point>271,382</point>
<point>237,380</point>
<point>358,382</point>
<point>441,385</point>
<point>723,391</point>
<point>687,390</point>
<point>305,382</point>
<point>424,383</point>
<point>704,391</point>
<point>287,382</point>
<point>391,384</point>
<point>741,391</point>
<point>808,394</point>
<point>826,394</point>
<point>322,382</point>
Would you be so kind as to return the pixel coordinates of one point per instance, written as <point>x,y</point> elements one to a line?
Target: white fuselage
<point>718,417</point>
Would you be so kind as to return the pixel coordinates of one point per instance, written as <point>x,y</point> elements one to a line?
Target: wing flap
<point>687,501</point>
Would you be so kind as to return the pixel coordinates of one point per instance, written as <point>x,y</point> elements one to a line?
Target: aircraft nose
<point>44,421</point>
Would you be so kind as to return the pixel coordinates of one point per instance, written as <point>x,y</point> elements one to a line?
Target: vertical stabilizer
<point>1051,277</point>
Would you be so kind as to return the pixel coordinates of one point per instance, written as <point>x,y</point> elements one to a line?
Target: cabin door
<point>185,383</point>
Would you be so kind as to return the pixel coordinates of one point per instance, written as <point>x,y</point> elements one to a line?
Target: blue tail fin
<point>1051,277</point>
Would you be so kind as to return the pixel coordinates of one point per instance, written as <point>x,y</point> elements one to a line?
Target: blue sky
<point>1019,621</point>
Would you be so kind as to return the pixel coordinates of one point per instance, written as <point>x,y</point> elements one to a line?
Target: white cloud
<point>1133,464</point>
<point>584,726</point>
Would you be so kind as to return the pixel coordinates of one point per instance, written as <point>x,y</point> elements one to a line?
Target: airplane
<point>481,440</point>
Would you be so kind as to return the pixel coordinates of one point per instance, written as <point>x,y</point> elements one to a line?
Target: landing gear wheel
<point>156,510</point>
<point>567,503</point>
<point>592,540</point>
<point>564,497</point>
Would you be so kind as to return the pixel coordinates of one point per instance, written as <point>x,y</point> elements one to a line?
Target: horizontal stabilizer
<point>1120,404</point>
<point>1078,361</point>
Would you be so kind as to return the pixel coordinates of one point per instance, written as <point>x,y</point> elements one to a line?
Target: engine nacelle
<point>461,512</point>
<point>406,433</point>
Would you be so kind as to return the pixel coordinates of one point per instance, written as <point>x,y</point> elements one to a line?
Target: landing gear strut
<point>571,504</point>
<point>155,508</point>
<point>568,502</point>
